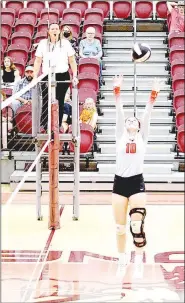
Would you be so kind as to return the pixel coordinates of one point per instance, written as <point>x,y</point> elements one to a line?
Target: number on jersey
<point>130,148</point>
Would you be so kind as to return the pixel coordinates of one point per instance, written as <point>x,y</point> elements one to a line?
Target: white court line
<point>33,273</point>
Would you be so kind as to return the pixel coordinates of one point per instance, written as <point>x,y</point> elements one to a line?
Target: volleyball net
<point>29,134</point>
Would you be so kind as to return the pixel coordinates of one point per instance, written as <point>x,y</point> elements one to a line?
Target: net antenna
<point>135,69</point>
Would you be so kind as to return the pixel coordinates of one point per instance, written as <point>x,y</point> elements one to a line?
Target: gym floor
<point>78,261</point>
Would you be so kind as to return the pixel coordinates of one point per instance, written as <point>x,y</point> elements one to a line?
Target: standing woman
<point>57,52</point>
<point>129,186</point>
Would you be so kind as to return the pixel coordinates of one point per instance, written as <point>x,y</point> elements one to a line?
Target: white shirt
<point>57,54</point>
<point>130,154</point>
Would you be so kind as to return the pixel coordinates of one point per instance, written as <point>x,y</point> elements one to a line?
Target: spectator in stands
<point>67,33</point>
<point>9,73</point>
<point>89,113</point>
<point>67,116</point>
<point>177,16</point>
<point>26,98</point>
<point>91,48</point>
<point>57,52</point>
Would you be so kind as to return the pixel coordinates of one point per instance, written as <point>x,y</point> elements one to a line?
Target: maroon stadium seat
<point>79,4</point>
<point>161,10</point>
<point>178,82</point>
<point>180,138</point>
<point>60,5</point>
<point>74,26</point>
<point>21,38</point>
<point>89,65</point>
<point>86,138</point>
<point>42,26</point>
<point>176,38</point>
<point>28,15</point>
<point>23,119</point>
<point>37,4</point>
<point>6,29</point>
<point>177,52</point>
<point>104,5</point>
<point>53,15</point>
<point>88,80</point>
<point>15,4</point>
<point>180,113</point>
<point>178,99</point>
<point>97,36</point>
<point>72,14</point>
<point>177,67</point>
<point>97,25</point>
<point>18,52</point>
<point>122,9</point>
<point>8,15</point>
<point>20,65</point>
<point>94,14</point>
<point>4,41</point>
<point>40,36</point>
<point>144,9</point>
<point>24,26</point>
<point>84,93</point>
<point>169,19</point>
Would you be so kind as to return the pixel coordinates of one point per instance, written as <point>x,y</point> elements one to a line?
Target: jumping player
<point>129,186</point>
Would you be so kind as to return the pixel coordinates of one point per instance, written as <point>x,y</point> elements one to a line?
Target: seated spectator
<point>67,33</point>
<point>27,97</point>
<point>177,16</point>
<point>89,113</point>
<point>91,48</point>
<point>67,116</point>
<point>9,73</point>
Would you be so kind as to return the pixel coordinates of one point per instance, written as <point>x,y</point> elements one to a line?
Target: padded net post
<point>76,142</point>
<point>54,213</point>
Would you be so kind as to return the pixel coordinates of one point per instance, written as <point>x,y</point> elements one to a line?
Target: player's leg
<point>137,221</point>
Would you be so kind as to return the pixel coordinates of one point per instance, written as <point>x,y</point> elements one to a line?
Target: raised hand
<point>117,81</point>
<point>156,85</point>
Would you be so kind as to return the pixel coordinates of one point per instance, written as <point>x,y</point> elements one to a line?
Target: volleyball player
<point>129,186</point>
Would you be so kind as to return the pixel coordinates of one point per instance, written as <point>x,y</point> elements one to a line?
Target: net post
<point>76,142</point>
<point>38,184</point>
<point>35,129</point>
<point>54,213</point>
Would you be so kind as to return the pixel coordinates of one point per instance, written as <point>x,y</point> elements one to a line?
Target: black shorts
<point>127,187</point>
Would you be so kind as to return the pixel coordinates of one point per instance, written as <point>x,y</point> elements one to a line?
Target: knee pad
<point>120,229</point>
<point>136,227</point>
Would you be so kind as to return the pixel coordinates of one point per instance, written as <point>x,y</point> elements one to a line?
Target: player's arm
<point>170,5</point>
<point>145,120</point>
<point>120,117</point>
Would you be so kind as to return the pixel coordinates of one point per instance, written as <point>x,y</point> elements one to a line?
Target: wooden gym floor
<point>77,263</point>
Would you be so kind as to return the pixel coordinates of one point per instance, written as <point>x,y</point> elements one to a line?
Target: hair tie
<point>116,90</point>
<point>153,95</point>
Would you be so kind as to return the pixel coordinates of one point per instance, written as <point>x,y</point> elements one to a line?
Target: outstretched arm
<point>145,120</point>
<point>120,117</point>
<point>170,5</point>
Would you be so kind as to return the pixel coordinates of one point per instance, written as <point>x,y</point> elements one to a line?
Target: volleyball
<point>141,52</point>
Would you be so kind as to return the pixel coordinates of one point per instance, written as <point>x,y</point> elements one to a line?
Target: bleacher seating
<point>18,52</point>
<point>88,80</point>
<point>104,5</point>
<point>144,9</point>
<point>178,99</point>
<point>90,65</point>
<point>60,5</point>
<point>24,26</point>
<point>72,14</point>
<point>20,38</point>
<point>28,15</point>
<point>79,4</point>
<point>16,5</point>
<point>37,4</point>
<point>8,16</point>
<point>122,9</point>
<point>52,14</point>
<point>94,14</point>
<point>176,39</point>
<point>161,10</point>
<point>86,138</point>
<point>180,138</point>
